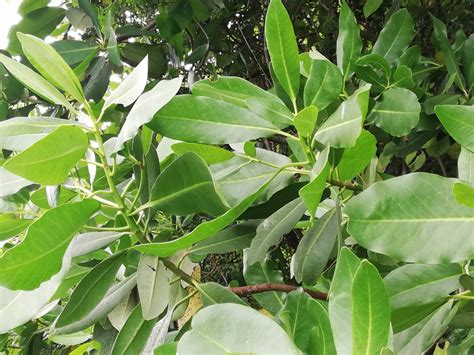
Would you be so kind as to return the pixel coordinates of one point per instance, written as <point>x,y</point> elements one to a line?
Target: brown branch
<point>347,185</point>
<point>251,289</point>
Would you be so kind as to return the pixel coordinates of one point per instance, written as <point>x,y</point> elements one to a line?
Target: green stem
<point>178,272</point>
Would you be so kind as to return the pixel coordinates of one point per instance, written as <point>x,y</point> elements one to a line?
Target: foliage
<point>332,191</point>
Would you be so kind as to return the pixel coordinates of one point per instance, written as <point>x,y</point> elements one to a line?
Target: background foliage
<point>169,167</point>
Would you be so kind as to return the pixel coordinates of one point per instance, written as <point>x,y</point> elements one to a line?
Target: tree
<point>324,180</point>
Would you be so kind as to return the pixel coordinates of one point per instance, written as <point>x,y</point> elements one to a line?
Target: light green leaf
<point>418,284</point>
<point>324,84</point>
<point>340,300</point>
<point>88,242</point>
<point>282,47</point>
<point>203,230</point>
<point>344,126</point>
<point>213,293</point>
<point>321,340</point>
<point>349,43</point>
<point>270,110</point>
<point>209,153</point>
<point>132,338</point>
<point>129,89</point>
<point>153,286</point>
<point>370,311</point>
<point>354,160</point>
<point>395,37</point>
<point>186,187</point>
<point>273,228</point>
<point>51,65</point>
<point>11,226</point>
<point>315,248</point>
<point>35,82</point>
<point>371,6</point>
<point>146,106</point>
<point>409,218</point>
<point>50,159</point>
<point>464,194</point>
<point>202,119</point>
<point>459,122</point>
<point>305,121</point>
<point>11,183</point>
<point>397,113</point>
<point>39,256</point>
<point>248,332</point>
<point>466,165</point>
<point>74,52</point>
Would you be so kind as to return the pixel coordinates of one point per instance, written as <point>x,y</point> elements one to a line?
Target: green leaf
<point>11,183</point>
<point>74,52</point>
<point>315,248</point>
<point>203,230</point>
<point>186,187</point>
<point>395,37</point>
<point>35,82</point>
<point>464,319</point>
<point>340,300</point>
<point>39,256</point>
<point>324,84</point>
<point>305,121</point>
<point>369,66</point>
<point>209,153</point>
<point>97,78</point>
<point>237,237</point>
<point>468,60</point>
<point>40,22</point>
<point>321,340</point>
<point>418,284</point>
<point>27,6</point>
<point>270,110</point>
<point>283,49</point>
<point>466,165</point>
<point>397,113</point>
<point>146,106</point>
<point>90,291</point>
<point>459,122</point>
<point>133,336</point>
<point>409,218</point>
<point>344,126</point>
<point>406,317</point>
<point>49,160</point>
<point>403,77</point>
<point>354,160</point>
<point>248,332</point>
<point>371,6</point>
<point>265,272</point>
<point>88,242</point>
<point>11,226</point>
<point>464,194</point>
<point>349,43</point>
<point>51,65</point>
<point>91,11</point>
<point>153,286</point>
<point>19,133</point>
<point>202,119</point>
<point>134,53</point>
<point>440,34</point>
<point>273,228</point>
<point>370,311</point>
<point>213,293</point>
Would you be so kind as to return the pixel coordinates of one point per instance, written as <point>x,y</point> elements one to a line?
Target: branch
<point>251,289</point>
<point>347,185</point>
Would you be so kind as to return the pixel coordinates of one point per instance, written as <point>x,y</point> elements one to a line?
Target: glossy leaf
<point>282,48</point>
<point>324,84</point>
<point>459,122</point>
<point>464,194</point>
<point>43,247</point>
<point>397,113</point>
<point>88,242</point>
<point>349,43</point>
<point>409,218</point>
<point>249,332</point>
<point>315,248</point>
<point>370,311</point>
<point>49,160</point>
<point>209,153</point>
<point>354,160</point>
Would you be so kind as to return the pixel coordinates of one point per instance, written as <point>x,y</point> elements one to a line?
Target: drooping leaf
<point>320,340</point>
<point>282,47</point>
<point>273,228</point>
<point>349,43</point>
<point>354,160</point>
<point>344,126</point>
<point>201,119</point>
<point>49,160</point>
<point>249,332</point>
<point>397,113</point>
<point>395,37</point>
<point>370,311</point>
<point>315,248</point>
<point>340,300</point>
<point>459,122</point>
<point>44,245</point>
<point>409,218</point>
